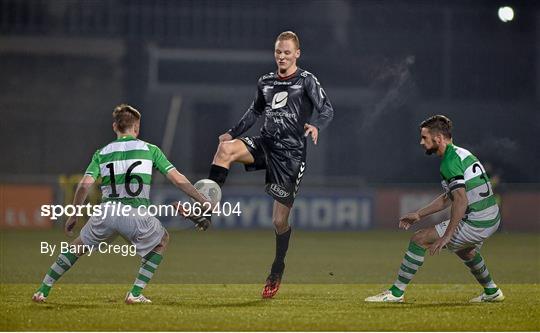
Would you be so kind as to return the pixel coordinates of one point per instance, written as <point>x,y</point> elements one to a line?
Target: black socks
<point>282,244</point>
<point>218,174</point>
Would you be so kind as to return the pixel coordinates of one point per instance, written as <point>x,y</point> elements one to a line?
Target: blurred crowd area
<point>191,68</point>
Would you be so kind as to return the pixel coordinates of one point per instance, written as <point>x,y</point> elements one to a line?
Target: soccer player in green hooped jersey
<point>125,166</point>
<point>474,215</point>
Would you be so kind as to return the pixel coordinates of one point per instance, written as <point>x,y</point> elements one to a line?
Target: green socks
<point>62,264</point>
<point>149,264</point>
<point>479,270</point>
<point>414,258</point>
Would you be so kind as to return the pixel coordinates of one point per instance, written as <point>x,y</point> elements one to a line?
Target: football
<point>209,189</point>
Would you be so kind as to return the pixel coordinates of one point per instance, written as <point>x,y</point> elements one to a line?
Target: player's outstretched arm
<point>80,196</point>
<point>180,181</point>
<point>250,117</point>
<point>458,209</point>
<point>440,203</point>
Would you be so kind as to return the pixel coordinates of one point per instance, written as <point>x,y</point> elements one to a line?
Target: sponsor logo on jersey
<point>267,76</point>
<point>279,100</point>
<point>249,142</point>
<point>281,114</point>
<point>296,86</point>
<point>282,83</point>
<point>306,73</point>
<point>278,191</point>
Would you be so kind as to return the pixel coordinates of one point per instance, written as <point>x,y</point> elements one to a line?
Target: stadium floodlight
<point>506,14</point>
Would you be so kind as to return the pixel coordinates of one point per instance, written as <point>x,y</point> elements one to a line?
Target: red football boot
<point>272,285</point>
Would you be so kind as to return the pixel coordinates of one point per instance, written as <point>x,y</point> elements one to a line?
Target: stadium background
<point>191,67</point>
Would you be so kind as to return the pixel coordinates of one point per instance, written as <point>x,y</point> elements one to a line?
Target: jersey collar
<point>284,78</point>
<point>125,138</point>
<point>448,148</point>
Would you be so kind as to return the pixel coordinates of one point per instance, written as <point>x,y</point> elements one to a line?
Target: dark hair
<point>125,116</point>
<point>439,124</point>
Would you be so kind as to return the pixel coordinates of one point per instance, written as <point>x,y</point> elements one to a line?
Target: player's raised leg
<point>63,263</point>
<point>411,263</point>
<point>228,151</point>
<point>473,259</point>
<point>280,218</point>
<point>149,265</point>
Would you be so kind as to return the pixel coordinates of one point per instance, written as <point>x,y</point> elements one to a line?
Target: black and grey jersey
<point>287,104</point>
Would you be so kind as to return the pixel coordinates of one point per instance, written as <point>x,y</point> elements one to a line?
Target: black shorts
<point>284,167</point>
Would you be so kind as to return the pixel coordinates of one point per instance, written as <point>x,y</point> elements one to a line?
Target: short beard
<point>433,149</point>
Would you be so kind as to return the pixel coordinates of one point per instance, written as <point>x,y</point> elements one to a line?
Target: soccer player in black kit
<point>287,100</point>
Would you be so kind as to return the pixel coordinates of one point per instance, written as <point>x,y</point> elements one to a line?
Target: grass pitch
<point>213,280</point>
<point>238,307</point>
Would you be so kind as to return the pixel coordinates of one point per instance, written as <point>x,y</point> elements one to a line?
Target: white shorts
<point>466,236</point>
<point>145,232</point>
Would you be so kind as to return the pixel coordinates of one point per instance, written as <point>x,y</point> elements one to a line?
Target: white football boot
<point>39,297</point>
<point>385,296</point>
<point>130,299</point>
<point>497,297</point>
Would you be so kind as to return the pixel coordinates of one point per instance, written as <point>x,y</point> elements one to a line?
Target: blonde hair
<point>125,116</point>
<point>289,35</point>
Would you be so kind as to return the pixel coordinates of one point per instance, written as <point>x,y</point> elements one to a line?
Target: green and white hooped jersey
<point>460,168</point>
<point>125,166</point>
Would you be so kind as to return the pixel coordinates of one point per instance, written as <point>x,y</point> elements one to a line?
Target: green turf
<point>237,307</point>
<point>245,257</point>
<point>212,281</point>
